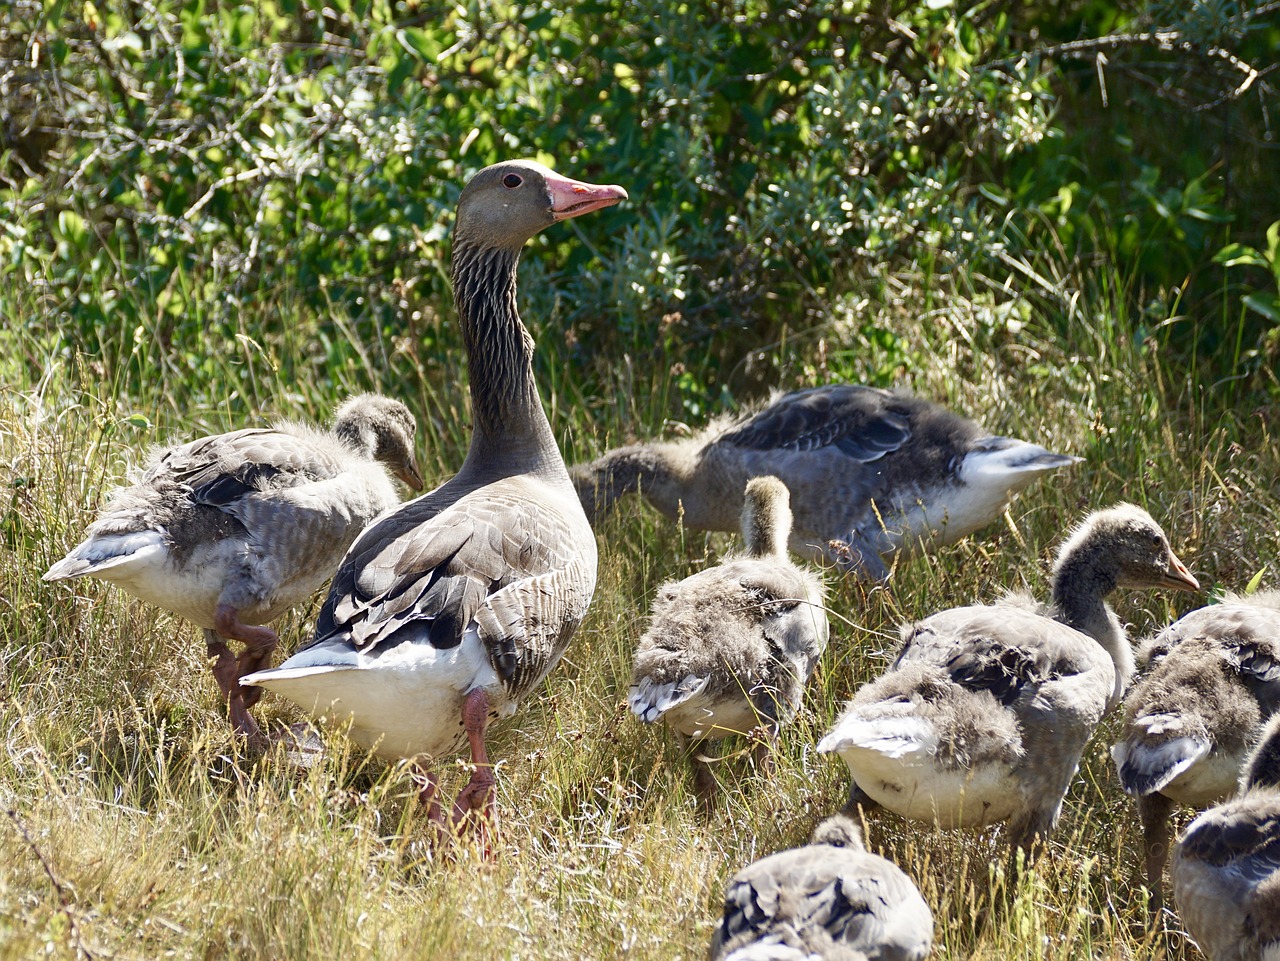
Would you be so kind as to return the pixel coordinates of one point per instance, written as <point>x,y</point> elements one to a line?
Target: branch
<point>1161,39</point>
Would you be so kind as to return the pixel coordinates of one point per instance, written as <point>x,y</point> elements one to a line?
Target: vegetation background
<point>1058,217</point>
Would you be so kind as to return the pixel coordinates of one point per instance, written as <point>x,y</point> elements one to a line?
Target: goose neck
<point>1079,593</point>
<point>1080,588</point>
<point>1262,770</point>
<point>509,425</point>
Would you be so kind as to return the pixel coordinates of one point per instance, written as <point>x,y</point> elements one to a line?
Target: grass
<point>134,830</point>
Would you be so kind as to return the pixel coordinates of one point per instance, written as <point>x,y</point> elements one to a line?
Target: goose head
<point>839,832</point>
<point>383,429</point>
<point>506,204</point>
<point>1123,546</point>
<point>649,469</point>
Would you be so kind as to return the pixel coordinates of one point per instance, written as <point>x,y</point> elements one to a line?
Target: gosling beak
<point>573,198</point>
<point>1177,577</point>
<point>409,473</point>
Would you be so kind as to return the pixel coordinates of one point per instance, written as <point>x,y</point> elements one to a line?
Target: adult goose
<point>827,900</point>
<point>1226,867</point>
<point>985,712</point>
<point>450,609</point>
<point>871,472</point>
<point>230,531</point>
<point>1189,723</point>
<point>730,649</point>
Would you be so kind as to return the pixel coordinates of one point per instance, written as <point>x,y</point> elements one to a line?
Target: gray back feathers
<point>825,900</point>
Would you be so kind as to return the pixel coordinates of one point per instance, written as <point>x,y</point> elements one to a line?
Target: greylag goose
<point>450,609</point>
<point>230,531</point>
<point>1191,720</point>
<point>730,649</point>
<point>827,901</point>
<point>1226,867</point>
<point>985,712</point>
<point>871,472</point>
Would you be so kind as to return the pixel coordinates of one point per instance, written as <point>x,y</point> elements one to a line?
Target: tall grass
<point>135,829</point>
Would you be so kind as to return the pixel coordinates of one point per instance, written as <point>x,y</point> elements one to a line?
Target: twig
<point>256,173</point>
<point>1260,11</point>
<point>64,899</point>
<point>1162,39</point>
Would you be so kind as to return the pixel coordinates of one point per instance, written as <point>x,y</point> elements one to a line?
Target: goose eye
<point>511,181</point>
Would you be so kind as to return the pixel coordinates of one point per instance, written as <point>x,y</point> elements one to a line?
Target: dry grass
<point>134,830</point>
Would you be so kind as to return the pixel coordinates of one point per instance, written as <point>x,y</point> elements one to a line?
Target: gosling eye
<point>512,181</point>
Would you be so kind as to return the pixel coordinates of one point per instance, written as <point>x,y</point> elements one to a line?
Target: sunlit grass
<point>135,830</point>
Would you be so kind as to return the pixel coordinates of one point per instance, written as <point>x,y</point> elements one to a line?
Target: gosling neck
<point>357,433</point>
<point>1081,583</point>
<point>1262,770</point>
<point>766,524</point>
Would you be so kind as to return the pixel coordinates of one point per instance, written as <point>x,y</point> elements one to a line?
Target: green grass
<point>135,831</point>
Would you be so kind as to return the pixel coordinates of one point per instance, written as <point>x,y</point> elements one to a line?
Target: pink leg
<point>259,643</point>
<point>225,672</point>
<point>477,803</point>
<point>428,797</point>
<point>703,754</point>
<point>766,739</point>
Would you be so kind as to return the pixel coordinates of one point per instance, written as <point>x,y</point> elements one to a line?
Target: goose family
<point>987,709</point>
<point>1226,866</point>
<point>871,473</point>
<point>1189,723</point>
<point>231,530</point>
<point>448,611</point>
<point>730,649</point>
<point>829,900</point>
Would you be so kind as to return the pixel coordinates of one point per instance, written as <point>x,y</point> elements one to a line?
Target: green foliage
<point>1264,302</point>
<point>173,168</point>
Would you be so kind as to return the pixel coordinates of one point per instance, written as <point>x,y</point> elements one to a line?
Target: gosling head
<point>1126,545</point>
<point>383,429</point>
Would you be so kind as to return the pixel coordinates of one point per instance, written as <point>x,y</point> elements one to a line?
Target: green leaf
<point>1255,581</point>
<point>72,226</point>
<point>1233,255</point>
<point>420,42</point>
<point>1273,249</point>
<point>1268,305</point>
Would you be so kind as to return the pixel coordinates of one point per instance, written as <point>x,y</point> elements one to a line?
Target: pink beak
<point>572,198</point>
<point>1178,577</point>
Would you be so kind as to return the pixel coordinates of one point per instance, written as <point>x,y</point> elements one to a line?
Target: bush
<point>279,176</point>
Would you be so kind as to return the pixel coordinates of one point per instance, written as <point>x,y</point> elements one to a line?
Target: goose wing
<point>863,423</point>
<point>224,468</point>
<point>1006,650</point>
<point>1242,836</point>
<point>1191,703</point>
<point>503,561</point>
<point>297,498</point>
<point>1257,660</point>
<point>1248,635</point>
<point>746,625</point>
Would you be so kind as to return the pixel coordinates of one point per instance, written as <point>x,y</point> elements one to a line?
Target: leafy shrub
<point>270,184</point>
